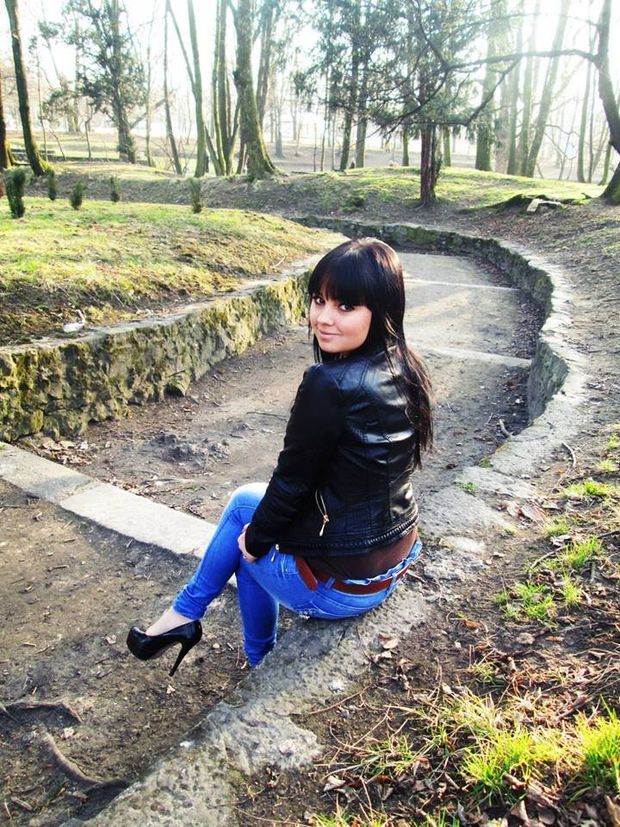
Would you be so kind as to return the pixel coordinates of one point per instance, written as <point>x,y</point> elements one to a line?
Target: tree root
<point>71,769</point>
<point>52,706</point>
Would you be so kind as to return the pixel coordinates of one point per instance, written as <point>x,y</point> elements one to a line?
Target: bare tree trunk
<point>362,117</point>
<point>352,94</point>
<point>581,176</point>
<point>485,132</point>
<point>126,145</point>
<point>226,124</point>
<point>608,99</point>
<point>447,151</point>
<point>430,164</point>
<point>548,89</point>
<point>6,157</point>
<point>524,137</point>
<point>512,166</point>
<point>266,47</point>
<point>405,160</point>
<point>37,164</point>
<point>176,161</point>
<point>258,161</point>
<point>606,161</point>
<point>201,130</point>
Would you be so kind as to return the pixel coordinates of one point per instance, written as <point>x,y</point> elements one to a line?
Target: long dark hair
<point>366,271</point>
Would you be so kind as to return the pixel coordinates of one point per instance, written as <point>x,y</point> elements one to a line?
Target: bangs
<point>342,283</point>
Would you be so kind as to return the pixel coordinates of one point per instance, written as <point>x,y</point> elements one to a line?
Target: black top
<point>342,484</point>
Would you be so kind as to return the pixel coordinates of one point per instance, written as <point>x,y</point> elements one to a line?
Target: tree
<point>112,76</point>
<point>6,156</point>
<point>608,98</point>
<point>194,72</point>
<point>427,81</point>
<point>547,95</point>
<point>168,115</point>
<point>225,121</point>
<point>259,164</point>
<point>37,164</point>
<point>485,129</point>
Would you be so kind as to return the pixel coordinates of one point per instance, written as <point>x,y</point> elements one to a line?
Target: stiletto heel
<point>145,647</point>
<point>184,650</point>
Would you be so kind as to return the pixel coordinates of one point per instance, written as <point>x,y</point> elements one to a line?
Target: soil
<point>72,591</point>
<point>189,453</point>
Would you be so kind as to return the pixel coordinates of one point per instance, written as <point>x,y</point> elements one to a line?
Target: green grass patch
<point>572,593</point>
<point>578,556</point>
<point>557,527</point>
<point>588,489</point>
<point>519,752</point>
<point>112,260</point>
<point>613,443</point>
<point>468,487</point>
<point>598,745</point>
<point>529,601</point>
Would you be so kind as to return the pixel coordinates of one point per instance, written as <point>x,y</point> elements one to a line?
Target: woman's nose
<point>326,315</point>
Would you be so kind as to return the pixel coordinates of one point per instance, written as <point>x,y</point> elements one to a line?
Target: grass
<point>529,601</point>
<point>557,527</point>
<point>111,260</point>
<point>468,487</point>
<point>589,488</point>
<point>598,742</point>
<point>578,556</point>
<point>518,752</point>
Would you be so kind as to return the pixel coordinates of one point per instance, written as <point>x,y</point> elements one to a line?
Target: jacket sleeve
<point>313,429</point>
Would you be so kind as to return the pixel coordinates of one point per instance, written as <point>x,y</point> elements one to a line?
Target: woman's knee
<point>249,494</point>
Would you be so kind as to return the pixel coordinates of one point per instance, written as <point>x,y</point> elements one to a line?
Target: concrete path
<point>470,331</point>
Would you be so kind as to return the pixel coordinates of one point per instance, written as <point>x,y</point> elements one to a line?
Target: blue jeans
<point>272,580</point>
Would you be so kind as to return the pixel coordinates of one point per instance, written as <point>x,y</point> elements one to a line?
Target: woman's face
<point>339,328</point>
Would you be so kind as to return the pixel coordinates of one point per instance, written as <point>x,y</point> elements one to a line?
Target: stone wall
<point>57,386</point>
<point>550,364</point>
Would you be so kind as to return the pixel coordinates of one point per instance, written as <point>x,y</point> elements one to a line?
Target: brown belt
<point>312,579</point>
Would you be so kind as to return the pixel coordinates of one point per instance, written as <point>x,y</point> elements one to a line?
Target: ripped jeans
<point>272,580</point>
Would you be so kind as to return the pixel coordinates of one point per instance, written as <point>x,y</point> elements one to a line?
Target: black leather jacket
<point>342,484</point>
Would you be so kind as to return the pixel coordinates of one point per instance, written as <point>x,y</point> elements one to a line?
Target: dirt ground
<point>80,591</point>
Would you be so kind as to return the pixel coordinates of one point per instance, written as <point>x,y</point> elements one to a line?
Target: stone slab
<point>106,505</point>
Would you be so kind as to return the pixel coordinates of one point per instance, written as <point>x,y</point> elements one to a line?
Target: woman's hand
<point>241,542</point>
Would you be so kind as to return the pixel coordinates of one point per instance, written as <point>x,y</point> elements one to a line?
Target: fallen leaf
<point>533,512</point>
<point>334,782</point>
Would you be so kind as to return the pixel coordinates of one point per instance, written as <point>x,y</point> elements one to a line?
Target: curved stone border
<point>59,385</point>
<point>557,376</point>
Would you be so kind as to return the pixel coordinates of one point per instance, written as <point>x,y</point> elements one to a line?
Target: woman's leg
<point>222,559</point>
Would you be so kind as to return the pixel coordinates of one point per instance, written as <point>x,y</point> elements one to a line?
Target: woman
<point>335,529</point>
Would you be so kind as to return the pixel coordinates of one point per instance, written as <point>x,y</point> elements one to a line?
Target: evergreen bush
<point>51,184</point>
<point>77,194</point>
<point>196,194</point>
<point>115,189</point>
<point>15,186</point>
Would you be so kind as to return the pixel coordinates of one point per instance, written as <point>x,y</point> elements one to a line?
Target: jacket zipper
<point>320,502</point>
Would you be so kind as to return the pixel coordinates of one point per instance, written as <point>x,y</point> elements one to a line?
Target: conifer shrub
<point>115,189</point>
<point>195,194</point>
<point>51,184</point>
<point>15,186</point>
<point>77,194</point>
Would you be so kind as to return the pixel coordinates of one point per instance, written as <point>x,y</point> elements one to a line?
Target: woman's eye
<point>317,299</point>
<point>347,307</point>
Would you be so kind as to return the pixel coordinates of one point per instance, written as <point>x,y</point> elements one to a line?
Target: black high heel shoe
<point>145,646</point>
